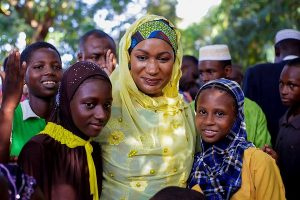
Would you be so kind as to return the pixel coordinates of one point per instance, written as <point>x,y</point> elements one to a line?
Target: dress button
<point>132,153</point>
<point>120,119</point>
<point>152,171</point>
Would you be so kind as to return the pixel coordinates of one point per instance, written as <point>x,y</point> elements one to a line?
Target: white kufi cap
<point>214,52</point>
<point>287,34</point>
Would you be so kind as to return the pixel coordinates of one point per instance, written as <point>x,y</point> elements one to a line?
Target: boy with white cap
<point>261,81</point>
<point>215,63</point>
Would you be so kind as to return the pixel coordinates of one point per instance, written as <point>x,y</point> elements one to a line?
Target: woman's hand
<point>110,62</point>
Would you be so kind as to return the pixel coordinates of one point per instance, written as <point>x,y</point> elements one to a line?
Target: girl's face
<point>151,65</point>
<point>215,114</point>
<point>44,72</point>
<point>91,106</point>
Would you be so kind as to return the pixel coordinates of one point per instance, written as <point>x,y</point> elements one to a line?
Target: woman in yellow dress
<point>148,143</point>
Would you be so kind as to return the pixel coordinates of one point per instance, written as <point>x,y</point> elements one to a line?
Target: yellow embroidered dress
<point>148,143</point>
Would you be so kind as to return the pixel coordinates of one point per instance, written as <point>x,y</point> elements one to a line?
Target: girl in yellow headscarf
<point>149,142</point>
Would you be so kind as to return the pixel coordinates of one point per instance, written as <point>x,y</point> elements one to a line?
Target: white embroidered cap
<point>214,52</point>
<point>287,34</point>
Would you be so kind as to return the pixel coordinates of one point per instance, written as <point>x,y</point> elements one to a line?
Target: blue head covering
<point>218,168</point>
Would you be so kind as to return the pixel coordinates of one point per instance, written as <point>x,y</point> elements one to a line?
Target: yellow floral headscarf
<point>148,142</point>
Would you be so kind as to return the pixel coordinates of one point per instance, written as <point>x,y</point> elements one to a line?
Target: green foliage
<point>247,27</point>
<point>166,8</point>
<point>67,20</point>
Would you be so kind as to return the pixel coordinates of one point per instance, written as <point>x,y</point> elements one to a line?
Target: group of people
<point>138,129</point>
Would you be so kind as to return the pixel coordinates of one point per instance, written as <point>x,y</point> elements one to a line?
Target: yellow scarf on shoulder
<point>66,137</point>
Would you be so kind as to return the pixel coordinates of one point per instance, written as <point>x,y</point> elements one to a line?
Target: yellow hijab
<point>148,141</point>
<point>171,99</point>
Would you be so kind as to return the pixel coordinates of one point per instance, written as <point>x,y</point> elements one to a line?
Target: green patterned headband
<point>154,29</point>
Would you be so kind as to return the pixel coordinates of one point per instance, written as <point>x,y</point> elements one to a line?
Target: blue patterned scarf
<point>218,168</point>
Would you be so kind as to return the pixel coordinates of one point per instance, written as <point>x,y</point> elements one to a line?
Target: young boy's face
<point>44,72</point>
<point>213,69</point>
<point>91,106</point>
<point>94,50</point>
<point>215,115</point>
<point>289,85</point>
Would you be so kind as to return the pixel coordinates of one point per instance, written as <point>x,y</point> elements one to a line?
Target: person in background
<point>188,83</point>
<point>14,183</point>
<point>149,141</point>
<point>287,148</point>
<point>215,63</point>
<point>98,47</point>
<point>236,74</point>
<point>20,121</point>
<point>261,80</point>
<point>230,167</point>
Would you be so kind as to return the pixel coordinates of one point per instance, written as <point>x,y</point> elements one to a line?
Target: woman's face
<point>151,65</point>
<point>215,115</point>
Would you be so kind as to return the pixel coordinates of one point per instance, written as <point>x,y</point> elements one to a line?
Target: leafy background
<point>247,26</point>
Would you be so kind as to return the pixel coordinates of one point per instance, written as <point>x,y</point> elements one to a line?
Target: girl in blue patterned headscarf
<point>217,169</point>
<point>229,167</point>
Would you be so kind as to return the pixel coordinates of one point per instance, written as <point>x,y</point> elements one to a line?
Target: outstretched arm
<point>12,91</point>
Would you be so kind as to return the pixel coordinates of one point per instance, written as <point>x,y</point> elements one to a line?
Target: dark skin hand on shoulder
<point>12,89</point>
<point>267,149</point>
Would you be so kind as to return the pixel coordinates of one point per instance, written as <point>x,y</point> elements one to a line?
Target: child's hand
<point>270,151</point>
<point>110,62</point>
<point>13,83</point>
